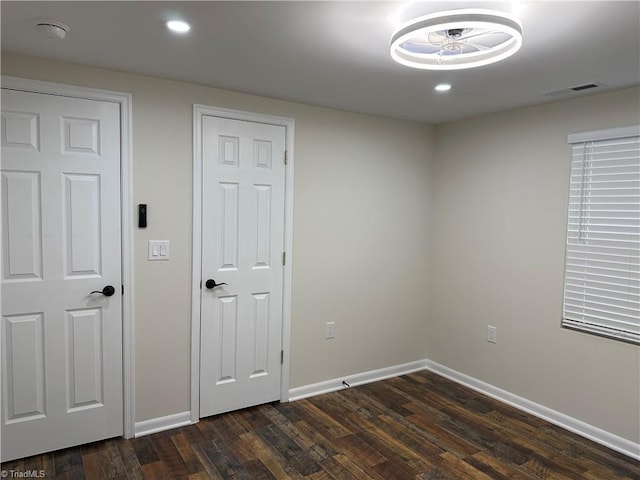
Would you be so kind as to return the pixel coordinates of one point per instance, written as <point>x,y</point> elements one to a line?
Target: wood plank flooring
<point>418,426</point>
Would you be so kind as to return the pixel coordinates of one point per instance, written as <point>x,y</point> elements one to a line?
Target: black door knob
<point>211,283</point>
<point>106,291</point>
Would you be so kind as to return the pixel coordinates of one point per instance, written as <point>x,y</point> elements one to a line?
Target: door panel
<point>22,226</point>
<point>242,246</point>
<point>61,345</point>
<point>84,358</point>
<point>81,220</point>
<point>24,354</point>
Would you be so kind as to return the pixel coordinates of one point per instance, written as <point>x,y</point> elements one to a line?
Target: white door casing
<point>244,324</point>
<point>62,347</point>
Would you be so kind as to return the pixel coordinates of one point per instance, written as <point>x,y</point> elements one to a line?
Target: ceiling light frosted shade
<point>443,87</point>
<point>178,26</point>
<point>456,39</point>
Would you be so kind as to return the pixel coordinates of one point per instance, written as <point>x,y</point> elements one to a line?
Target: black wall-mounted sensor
<point>142,215</point>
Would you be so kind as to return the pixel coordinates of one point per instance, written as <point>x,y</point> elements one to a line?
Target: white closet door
<point>61,344</point>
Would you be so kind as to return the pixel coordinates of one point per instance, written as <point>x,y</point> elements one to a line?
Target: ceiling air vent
<point>573,90</point>
<point>584,87</point>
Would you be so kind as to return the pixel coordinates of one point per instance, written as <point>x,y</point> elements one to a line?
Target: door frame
<point>124,100</point>
<point>199,111</point>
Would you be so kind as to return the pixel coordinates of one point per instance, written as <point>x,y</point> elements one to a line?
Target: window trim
<point>606,134</point>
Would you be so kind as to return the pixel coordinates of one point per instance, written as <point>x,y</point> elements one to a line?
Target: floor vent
<point>573,90</point>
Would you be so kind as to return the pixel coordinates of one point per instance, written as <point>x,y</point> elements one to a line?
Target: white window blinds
<point>602,267</point>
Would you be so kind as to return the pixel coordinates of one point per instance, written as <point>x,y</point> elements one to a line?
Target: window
<point>602,266</point>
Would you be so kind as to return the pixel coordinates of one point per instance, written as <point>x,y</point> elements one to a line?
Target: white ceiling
<point>336,54</point>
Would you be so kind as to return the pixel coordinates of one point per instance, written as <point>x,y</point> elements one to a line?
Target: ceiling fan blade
<point>477,46</point>
<point>490,32</point>
<point>436,38</point>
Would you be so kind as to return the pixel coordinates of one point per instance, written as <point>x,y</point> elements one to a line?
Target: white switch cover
<point>330,330</point>
<point>492,334</point>
<point>158,249</point>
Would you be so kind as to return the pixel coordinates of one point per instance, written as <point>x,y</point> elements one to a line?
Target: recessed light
<point>178,26</point>
<point>443,87</point>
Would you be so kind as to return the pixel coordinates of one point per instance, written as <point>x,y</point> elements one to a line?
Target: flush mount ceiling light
<point>52,29</point>
<point>456,39</point>
<point>178,26</point>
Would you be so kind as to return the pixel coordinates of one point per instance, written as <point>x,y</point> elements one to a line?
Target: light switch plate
<point>158,250</point>
<point>492,334</point>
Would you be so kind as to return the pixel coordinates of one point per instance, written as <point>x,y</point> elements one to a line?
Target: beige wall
<point>500,202</point>
<point>360,235</point>
<point>364,228</point>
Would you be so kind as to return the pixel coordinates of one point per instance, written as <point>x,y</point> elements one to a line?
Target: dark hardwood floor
<point>418,426</point>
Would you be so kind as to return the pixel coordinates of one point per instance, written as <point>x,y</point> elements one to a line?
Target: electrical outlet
<point>330,330</point>
<point>492,334</point>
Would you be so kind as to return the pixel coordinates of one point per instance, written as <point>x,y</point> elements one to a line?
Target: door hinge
<point>284,258</point>
<point>122,289</point>
<point>200,284</point>
<point>286,157</point>
<point>281,357</point>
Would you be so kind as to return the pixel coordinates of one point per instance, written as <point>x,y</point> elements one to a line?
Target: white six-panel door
<point>243,195</point>
<point>61,344</point>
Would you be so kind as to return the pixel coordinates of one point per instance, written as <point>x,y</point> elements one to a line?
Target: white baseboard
<point>610,440</point>
<point>160,424</point>
<point>298,393</point>
<point>614,442</point>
